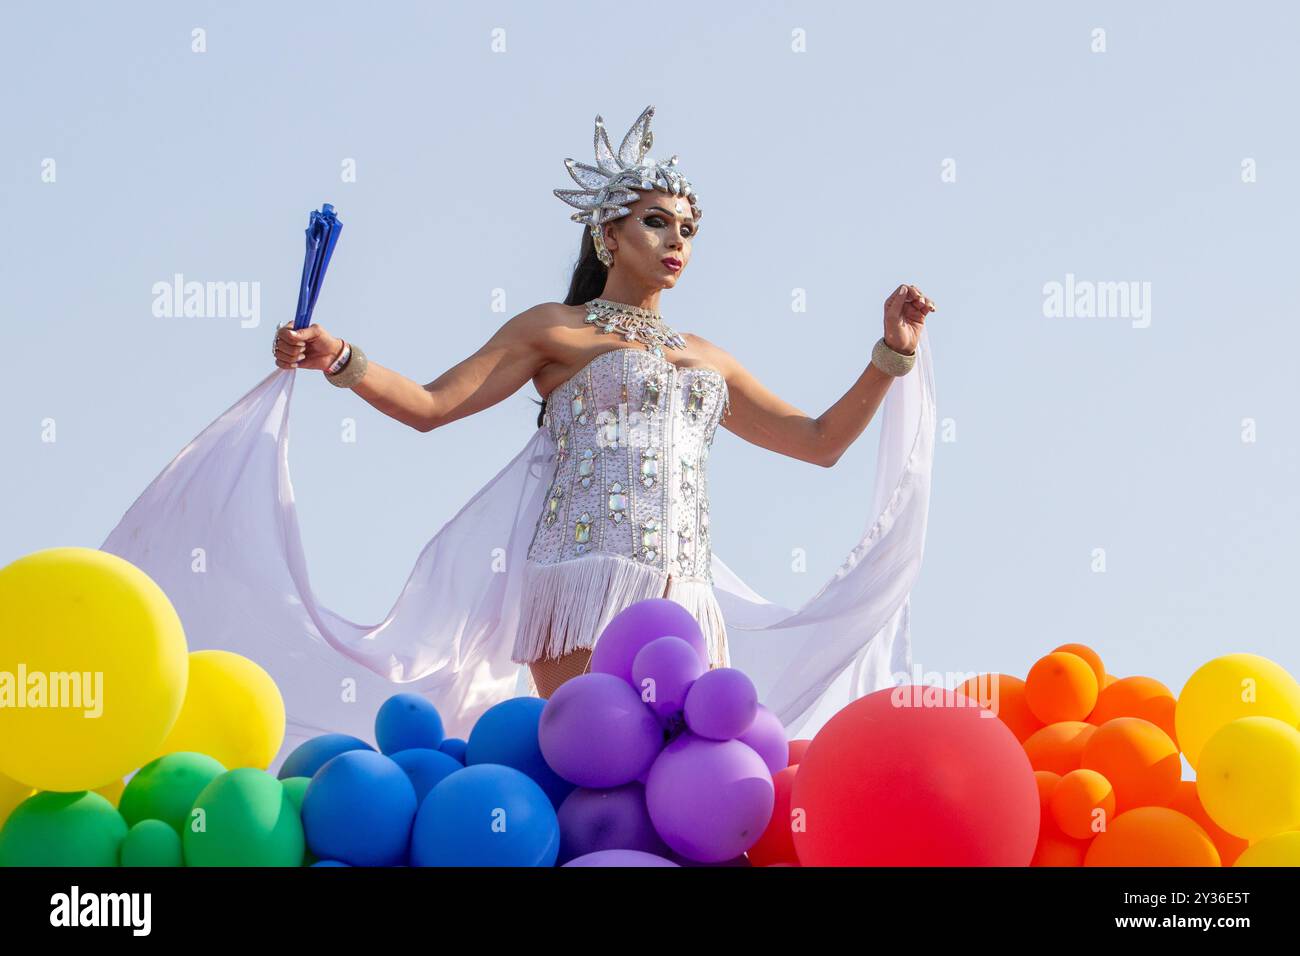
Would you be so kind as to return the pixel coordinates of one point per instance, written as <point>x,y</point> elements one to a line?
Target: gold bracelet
<point>351,373</point>
<point>891,362</point>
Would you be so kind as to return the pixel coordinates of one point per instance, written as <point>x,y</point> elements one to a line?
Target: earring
<point>602,253</point>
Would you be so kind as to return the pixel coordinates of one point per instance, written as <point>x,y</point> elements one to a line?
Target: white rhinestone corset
<point>632,433</point>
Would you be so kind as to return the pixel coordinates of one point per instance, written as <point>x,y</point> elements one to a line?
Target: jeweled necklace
<point>635,323</point>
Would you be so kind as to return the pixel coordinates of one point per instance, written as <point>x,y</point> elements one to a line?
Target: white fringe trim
<point>568,604</point>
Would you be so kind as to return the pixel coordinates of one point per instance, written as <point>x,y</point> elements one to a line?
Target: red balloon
<point>776,846</point>
<point>797,749</point>
<point>915,776</point>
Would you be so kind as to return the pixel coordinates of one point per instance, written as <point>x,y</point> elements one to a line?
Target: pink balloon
<point>710,800</point>
<point>636,626</point>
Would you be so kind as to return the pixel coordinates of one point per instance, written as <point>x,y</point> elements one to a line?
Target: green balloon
<point>165,789</point>
<point>243,818</point>
<point>296,788</point>
<point>152,843</point>
<point>62,829</point>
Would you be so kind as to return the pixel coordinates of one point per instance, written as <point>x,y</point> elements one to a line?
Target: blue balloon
<point>506,734</point>
<point>426,768</point>
<point>310,755</point>
<point>408,722</point>
<point>486,815</point>
<point>358,809</point>
<point>454,747</point>
<point>330,863</point>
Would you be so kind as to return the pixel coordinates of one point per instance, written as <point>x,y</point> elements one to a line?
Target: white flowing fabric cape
<point>450,631</point>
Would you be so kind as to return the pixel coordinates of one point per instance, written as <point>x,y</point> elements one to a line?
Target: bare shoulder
<point>710,354</point>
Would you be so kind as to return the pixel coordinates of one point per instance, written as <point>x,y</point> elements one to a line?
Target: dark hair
<point>588,282</point>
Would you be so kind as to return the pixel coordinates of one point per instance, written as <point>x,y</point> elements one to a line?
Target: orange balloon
<point>1187,801</point>
<point>1005,696</point>
<point>1152,836</point>
<point>1047,782</point>
<point>1061,686</point>
<point>1089,655</point>
<point>1082,804</point>
<point>1110,679</point>
<point>1056,849</point>
<point>1058,747</point>
<point>1143,697</point>
<point>1138,759</point>
<point>797,747</point>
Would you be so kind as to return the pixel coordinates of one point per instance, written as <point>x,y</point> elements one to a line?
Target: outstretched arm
<point>763,418</point>
<point>505,363</point>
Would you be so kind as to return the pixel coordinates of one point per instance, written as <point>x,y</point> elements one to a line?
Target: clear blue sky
<point>819,170</point>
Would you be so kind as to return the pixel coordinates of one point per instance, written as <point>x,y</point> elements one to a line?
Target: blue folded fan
<point>322,233</point>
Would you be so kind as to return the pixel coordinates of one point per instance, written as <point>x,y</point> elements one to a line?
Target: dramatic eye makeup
<point>656,221</point>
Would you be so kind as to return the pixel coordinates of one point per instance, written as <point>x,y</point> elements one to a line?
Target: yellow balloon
<point>1281,849</point>
<point>12,793</point>
<point>1228,687</point>
<point>233,712</point>
<point>112,792</point>
<point>1249,778</point>
<point>93,666</point>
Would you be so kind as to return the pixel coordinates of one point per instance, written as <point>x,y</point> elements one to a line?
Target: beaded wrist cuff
<point>891,362</point>
<point>352,372</point>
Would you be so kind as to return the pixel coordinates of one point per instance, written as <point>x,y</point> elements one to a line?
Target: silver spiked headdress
<point>618,179</point>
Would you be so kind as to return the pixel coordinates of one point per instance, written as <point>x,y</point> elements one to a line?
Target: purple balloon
<point>620,858</point>
<point>722,704</point>
<point>664,671</point>
<point>595,732</point>
<point>613,819</point>
<point>636,626</point>
<point>710,800</point>
<point>767,736</point>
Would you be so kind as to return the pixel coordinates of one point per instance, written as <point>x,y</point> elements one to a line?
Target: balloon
<point>165,789</point>
<point>454,747</point>
<point>12,793</point>
<point>243,818</point>
<point>620,858</point>
<point>1046,781</point>
<point>797,750</point>
<point>722,704</point>
<point>330,863</point>
<point>1138,759</point>
<point>1058,747</point>
<point>890,782</point>
<point>596,733</point>
<point>359,809</point>
<point>112,792</point>
<point>776,845</point>
<point>507,734</point>
<point>296,789</point>
<point>233,712</point>
<point>710,800</point>
<point>1152,836</point>
<point>663,671</point>
<point>151,843</point>
<point>1056,849</point>
<point>310,755</point>
<point>767,736</point>
<point>1082,803</point>
<point>1280,849</point>
<point>408,722</point>
<point>1005,696</point>
<point>426,769</point>
<point>1142,697</point>
<point>1249,777</point>
<point>1236,685</point>
<point>62,829</point>
<point>106,625</point>
<point>636,626</point>
<point>486,815</point>
<point>1186,802</point>
<point>612,819</point>
<point>1061,686</point>
<point>1090,656</point>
